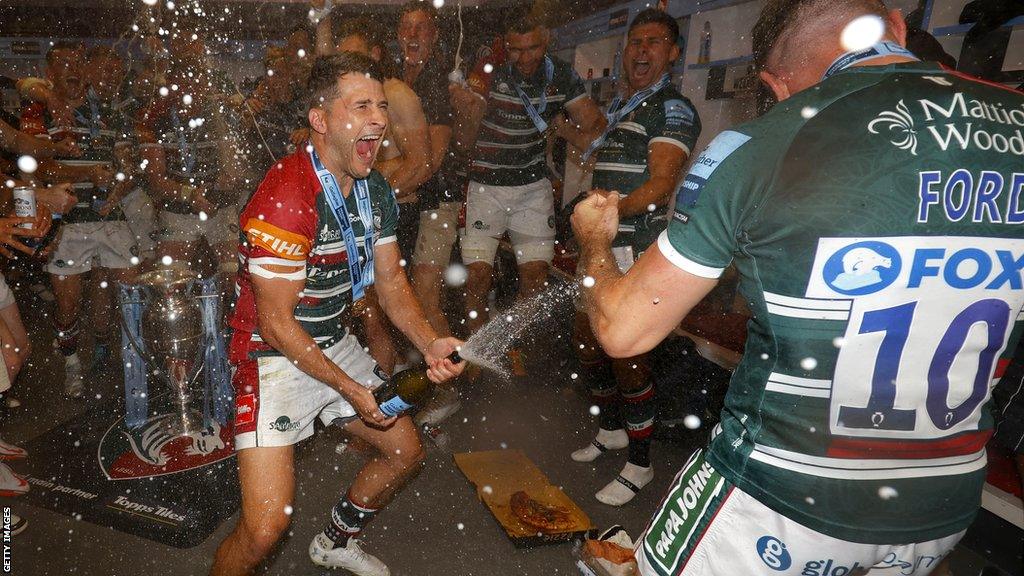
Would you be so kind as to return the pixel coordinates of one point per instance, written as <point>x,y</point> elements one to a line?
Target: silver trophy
<point>172,340</point>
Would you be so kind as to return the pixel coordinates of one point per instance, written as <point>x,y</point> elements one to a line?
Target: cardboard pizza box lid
<point>498,474</point>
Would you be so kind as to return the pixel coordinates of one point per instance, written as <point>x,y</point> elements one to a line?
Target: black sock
<point>640,451</point>
<point>347,520</point>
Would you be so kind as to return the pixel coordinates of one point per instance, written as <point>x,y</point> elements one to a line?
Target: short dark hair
<point>359,26</point>
<point>524,23</point>
<point>655,16</point>
<point>419,6</point>
<point>779,17</point>
<point>323,78</point>
<point>63,45</point>
<point>101,51</point>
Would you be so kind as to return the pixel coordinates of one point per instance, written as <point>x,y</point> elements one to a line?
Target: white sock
<point>616,493</point>
<point>610,439</point>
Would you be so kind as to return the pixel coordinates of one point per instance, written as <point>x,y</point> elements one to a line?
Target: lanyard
<point>880,50</point>
<point>615,114</point>
<point>362,276</point>
<point>93,122</point>
<point>188,154</point>
<point>531,110</point>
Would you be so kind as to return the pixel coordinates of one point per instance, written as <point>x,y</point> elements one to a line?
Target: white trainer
<point>73,384</point>
<point>350,557</point>
<point>605,440</point>
<point>11,484</point>
<point>444,403</point>
<point>626,485</point>
<point>9,451</point>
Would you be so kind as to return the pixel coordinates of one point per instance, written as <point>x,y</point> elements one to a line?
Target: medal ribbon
<point>535,112</point>
<point>615,115</point>
<point>188,154</point>
<point>883,49</point>
<point>362,274</point>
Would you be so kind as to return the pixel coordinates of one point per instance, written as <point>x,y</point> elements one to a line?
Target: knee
<point>262,534</point>
<point>409,458</point>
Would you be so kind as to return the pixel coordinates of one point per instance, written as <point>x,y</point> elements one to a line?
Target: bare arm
<point>469,108</point>
<point>276,299</point>
<point>407,171</point>
<point>665,163</point>
<point>585,122</point>
<point>440,138</point>
<point>630,313</point>
<point>324,39</point>
<point>22,143</point>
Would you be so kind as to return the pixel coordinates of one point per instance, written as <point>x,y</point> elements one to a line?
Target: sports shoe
<point>18,524</point>
<point>517,359</point>
<point>73,384</point>
<point>10,451</point>
<point>350,557</point>
<point>444,403</point>
<point>626,485</point>
<point>11,484</point>
<point>605,440</point>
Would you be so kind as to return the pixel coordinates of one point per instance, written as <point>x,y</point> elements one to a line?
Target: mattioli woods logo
<point>125,453</point>
<point>960,123</point>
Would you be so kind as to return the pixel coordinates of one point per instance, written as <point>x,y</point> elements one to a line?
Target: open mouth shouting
<point>367,146</point>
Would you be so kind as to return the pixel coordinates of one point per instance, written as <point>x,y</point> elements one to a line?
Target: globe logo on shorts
<point>862,268</point>
<point>773,553</point>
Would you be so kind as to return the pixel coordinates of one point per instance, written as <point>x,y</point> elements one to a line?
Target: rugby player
<point>874,216</point>
<point>509,190</point>
<point>318,231</point>
<point>651,131</point>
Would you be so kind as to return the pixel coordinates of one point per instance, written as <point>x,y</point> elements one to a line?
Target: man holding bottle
<point>294,359</point>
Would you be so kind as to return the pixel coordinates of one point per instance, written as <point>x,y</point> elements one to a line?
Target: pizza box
<point>498,474</point>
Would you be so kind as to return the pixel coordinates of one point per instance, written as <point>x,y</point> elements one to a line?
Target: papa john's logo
<point>127,453</point>
<point>862,268</point>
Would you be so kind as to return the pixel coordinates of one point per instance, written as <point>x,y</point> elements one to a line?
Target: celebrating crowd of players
<point>327,197</point>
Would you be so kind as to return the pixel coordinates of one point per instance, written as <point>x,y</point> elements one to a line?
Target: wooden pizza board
<point>498,474</point>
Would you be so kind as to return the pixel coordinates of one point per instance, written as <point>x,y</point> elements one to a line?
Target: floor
<point>436,526</point>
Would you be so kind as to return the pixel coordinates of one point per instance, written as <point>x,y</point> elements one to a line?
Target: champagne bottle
<point>402,392</point>
<point>406,390</point>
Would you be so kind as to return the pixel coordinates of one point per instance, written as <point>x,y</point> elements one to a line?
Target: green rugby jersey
<point>876,224</point>
<point>509,148</point>
<point>621,162</point>
<point>288,222</point>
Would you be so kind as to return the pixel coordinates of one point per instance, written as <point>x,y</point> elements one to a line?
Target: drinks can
<point>24,204</point>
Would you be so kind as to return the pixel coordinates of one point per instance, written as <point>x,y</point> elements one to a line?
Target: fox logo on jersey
<point>862,268</point>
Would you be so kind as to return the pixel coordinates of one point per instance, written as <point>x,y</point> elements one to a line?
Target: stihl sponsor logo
<point>278,241</point>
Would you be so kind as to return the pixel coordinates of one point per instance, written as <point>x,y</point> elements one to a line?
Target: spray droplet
<point>186,99</point>
<point>595,410</point>
<point>456,275</point>
<point>588,282</point>
<point>473,314</point>
<point>809,364</point>
<point>203,216</point>
<point>438,4</point>
<point>574,375</point>
<point>862,32</point>
<point>27,164</point>
<point>301,53</point>
<point>808,112</point>
<point>692,421</point>
<point>164,91</point>
<point>887,493</point>
<point>488,68</point>
<point>166,260</point>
